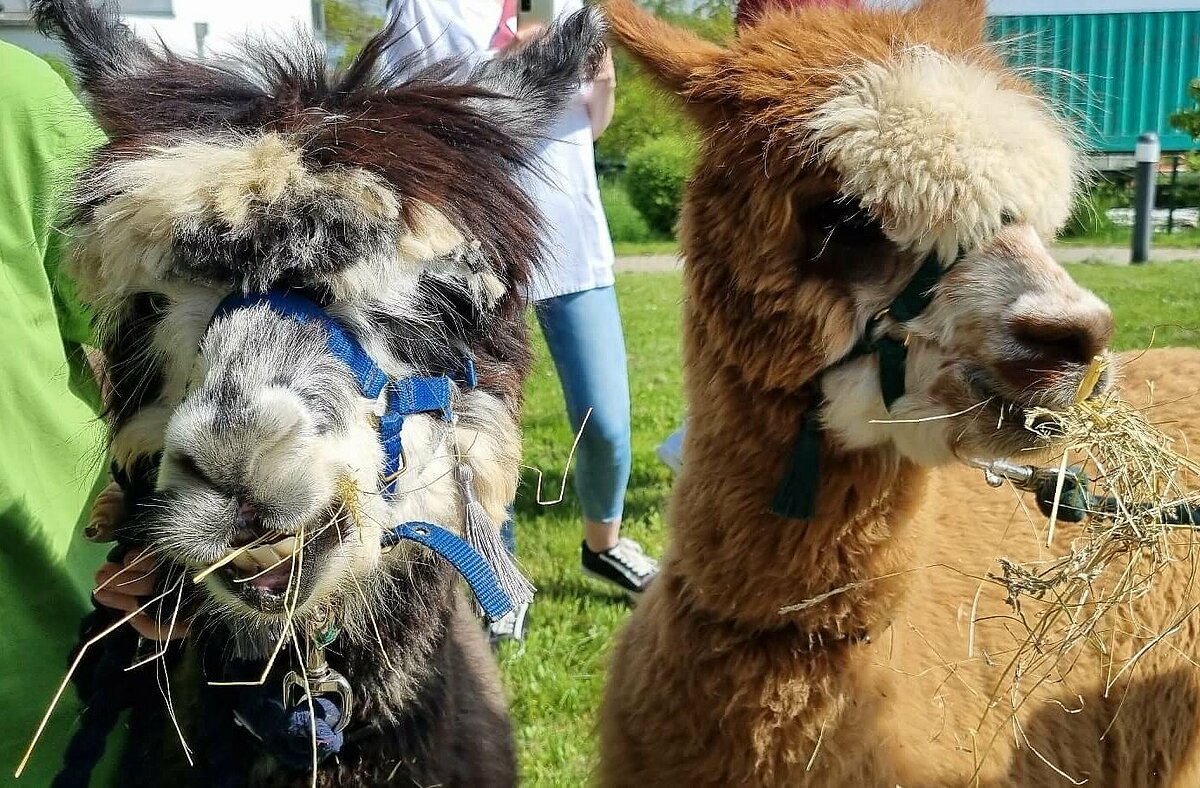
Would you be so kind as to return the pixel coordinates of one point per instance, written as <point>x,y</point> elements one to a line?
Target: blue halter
<point>405,397</point>
<point>285,727</point>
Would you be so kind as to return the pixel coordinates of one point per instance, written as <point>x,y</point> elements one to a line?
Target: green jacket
<point>52,457</point>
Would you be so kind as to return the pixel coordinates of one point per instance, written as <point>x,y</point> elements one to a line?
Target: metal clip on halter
<point>997,472</point>
<point>1075,499</point>
<point>318,677</point>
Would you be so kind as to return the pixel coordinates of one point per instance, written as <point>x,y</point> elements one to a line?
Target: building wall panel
<point>1115,75</point>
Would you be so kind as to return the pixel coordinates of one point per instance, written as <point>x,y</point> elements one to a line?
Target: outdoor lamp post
<point>1147,154</point>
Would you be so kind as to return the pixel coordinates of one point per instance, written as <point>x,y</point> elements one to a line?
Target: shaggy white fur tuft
<point>944,154</point>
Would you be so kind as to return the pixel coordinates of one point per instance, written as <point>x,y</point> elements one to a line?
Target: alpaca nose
<point>1048,345</point>
<point>259,446</point>
<point>249,525</point>
<point>248,515</point>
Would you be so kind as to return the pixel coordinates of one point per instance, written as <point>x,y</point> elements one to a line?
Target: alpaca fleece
<point>863,647</point>
<point>389,196</point>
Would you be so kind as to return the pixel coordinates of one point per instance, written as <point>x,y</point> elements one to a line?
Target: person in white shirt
<point>575,302</point>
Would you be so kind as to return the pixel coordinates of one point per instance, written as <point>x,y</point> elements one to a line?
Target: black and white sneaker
<point>625,566</point>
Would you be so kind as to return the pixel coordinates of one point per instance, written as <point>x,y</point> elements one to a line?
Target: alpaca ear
<point>963,14</point>
<point>676,58</point>
<point>533,85</point>
<point>102,49</point>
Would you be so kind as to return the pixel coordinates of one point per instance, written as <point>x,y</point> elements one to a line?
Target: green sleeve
<point>75,136</point>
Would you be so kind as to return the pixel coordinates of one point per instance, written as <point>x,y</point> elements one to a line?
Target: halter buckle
<point>317,677</point>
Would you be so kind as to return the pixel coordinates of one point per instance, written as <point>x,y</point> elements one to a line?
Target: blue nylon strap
<point>421,395</point>
<point>406,397</point>
<point>464,558</point>
<point>469,378</point>
<point>371,379</point>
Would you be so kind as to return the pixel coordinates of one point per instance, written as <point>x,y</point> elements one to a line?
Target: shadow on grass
<point>646,496</point>
<point>583,589</point>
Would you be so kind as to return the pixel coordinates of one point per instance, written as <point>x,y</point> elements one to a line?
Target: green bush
<point>655,179</point>
<point>1089,215</point>
<point>643,112</point>
<point>625,223</point>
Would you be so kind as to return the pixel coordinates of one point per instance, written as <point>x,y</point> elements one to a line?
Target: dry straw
<point>1138,524</point>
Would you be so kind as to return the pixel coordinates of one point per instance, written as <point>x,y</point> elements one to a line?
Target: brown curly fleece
<point>882,680</point>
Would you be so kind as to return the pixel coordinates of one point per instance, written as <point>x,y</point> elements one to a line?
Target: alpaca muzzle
<point>1055,345</point>
<point>403,397</point>
<point>317,701</point>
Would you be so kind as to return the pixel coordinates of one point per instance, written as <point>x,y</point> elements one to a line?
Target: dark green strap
<point>796,497</point>
<point>917,294</point>
<point>893,358</point>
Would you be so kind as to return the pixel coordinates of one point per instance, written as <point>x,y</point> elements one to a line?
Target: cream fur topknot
<point>940,150</point>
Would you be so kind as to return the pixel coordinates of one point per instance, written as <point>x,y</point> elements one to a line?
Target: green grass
<point>1155,305</point>
<point>641,248</point>
<point>1123,237</point>
<point>555,678</point>
<point>1118,237</point>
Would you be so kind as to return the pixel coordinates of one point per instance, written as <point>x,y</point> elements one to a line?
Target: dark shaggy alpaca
<point>390,196</point>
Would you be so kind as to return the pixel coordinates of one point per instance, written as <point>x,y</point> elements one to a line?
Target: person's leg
<point>583,333</point>
<point>508,531</point>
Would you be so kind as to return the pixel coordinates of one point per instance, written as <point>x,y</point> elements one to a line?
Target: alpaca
<point>310,291</point>
<point>874,186</point>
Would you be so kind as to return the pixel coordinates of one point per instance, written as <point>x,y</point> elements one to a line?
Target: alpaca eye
<point>1008,219</point>
<point>846,222</point>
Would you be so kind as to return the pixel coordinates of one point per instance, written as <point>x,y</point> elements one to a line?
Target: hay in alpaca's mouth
<point>1140,521</point>
<point>1023,425</point>
<point>279,570</point>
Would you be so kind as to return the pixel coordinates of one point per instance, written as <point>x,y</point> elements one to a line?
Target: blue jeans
<point>583,332</point>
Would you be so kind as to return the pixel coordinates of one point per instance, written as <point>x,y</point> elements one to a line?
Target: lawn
<point>1182,238</point>
<point>555,677</point>
<point>640,248</point>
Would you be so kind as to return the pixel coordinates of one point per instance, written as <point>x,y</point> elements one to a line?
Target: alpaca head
<point>387,194</point>
<point>842,149</point>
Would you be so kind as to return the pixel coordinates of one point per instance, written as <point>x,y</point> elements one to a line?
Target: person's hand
<point>125,586</point>
<point>522,37</point>
<point>606,72</point>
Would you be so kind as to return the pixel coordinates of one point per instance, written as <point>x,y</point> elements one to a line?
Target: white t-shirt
<point>579,249</point>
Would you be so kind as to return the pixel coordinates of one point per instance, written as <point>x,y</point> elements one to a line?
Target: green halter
<point>796,497</point>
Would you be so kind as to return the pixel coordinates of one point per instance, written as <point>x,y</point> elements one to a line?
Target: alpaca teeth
<point>245,562</point>
<point>284,548</point>
<point>263,555</point>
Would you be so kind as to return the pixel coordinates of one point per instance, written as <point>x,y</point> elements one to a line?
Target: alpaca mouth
<point>1012,417</point>
<point>278,571</point>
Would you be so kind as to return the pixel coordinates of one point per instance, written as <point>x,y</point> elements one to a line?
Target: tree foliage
<point>349,24</point>
<point>643,111</point>
<point>1188,120</point>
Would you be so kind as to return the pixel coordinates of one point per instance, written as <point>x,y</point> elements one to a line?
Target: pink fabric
<point>750,10</point>
<point>504,33</point>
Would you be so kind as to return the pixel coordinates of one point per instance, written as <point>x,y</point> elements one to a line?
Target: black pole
<point>1174,193</point>
<point>1147,154</point>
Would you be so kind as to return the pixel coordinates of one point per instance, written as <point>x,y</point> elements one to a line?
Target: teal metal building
<point>1117,67</point>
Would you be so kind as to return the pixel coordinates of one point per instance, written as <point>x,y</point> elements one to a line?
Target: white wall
<point>228,20</point>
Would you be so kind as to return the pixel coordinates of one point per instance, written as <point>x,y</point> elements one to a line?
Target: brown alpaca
<point>842,148</point>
